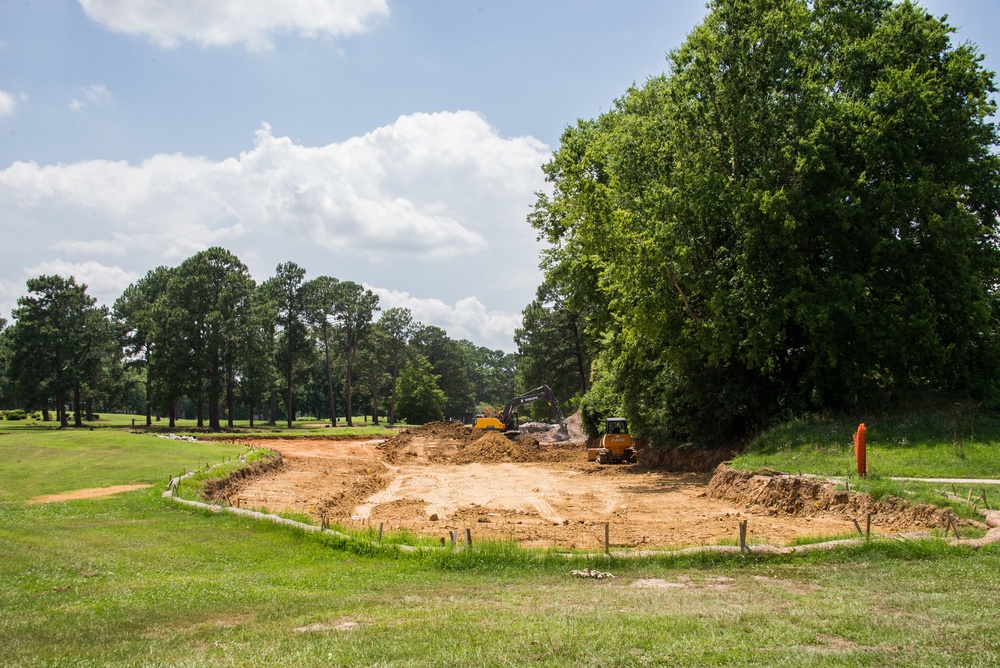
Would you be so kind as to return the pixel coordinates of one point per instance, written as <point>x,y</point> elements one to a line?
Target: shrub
<point>16,414</point>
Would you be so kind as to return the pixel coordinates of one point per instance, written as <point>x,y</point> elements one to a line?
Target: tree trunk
<point>329,377</point>
<point>89,409</point>
<point>288,402</point>
<point>172,415</point>
<point>350,410</point>
<point>45,415</point>
<point>77,408</point>
<point>392,396</point>
<point>61,411</point>
<point>272,408</point>
<point>213,413</point>
<point>252,410</point>
<point>230,399</point>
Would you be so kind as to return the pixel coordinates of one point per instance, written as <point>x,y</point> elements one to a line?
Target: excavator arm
<point>537,394</point>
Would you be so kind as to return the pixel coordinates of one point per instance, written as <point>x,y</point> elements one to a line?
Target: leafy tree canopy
<point>801,215</point>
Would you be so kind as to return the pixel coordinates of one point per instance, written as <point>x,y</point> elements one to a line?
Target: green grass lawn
<point>931,444</point>
<point>138,580</point>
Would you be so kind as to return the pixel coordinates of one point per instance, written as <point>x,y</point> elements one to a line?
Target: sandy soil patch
<point>444,477</point>
<point>89,493</point>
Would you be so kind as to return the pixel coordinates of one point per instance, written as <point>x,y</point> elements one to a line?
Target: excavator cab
<point>616,444</point>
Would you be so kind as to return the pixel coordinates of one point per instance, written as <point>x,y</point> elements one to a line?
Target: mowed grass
<point>930,444</point>
<point>138,580</point>
<point>38,461</point>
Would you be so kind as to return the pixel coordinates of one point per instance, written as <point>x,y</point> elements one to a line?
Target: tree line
<point>204,340</point>
<point>800,216</point>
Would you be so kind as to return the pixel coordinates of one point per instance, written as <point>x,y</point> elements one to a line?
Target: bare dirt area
<point>89,493</point>
<point>441,477</point>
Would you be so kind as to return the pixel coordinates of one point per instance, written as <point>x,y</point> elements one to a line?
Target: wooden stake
<point>380,524</point>
<point>968,501</point>
<point>858,527</point>
<point>868,526</point>
<point>468,537</point>
<point>847,482</point>
<point>954,527</point>
<point>607,538</point>
<point>743,535</point>
<point>452,534</point>
<point>985,503</point>
<point>953,490</point>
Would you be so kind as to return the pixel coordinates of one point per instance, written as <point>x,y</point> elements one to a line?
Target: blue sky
<point>393,144</point>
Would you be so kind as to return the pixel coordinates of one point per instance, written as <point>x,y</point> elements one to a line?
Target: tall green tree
<point>448,362</point>
<point>397,323</point>
<point>56,344</point>
<point>355,307</point>
<point>801,215</point>
<point>207,299</point>
<point>553,346</point>
<point>324,295</point>
<point>134,311</point>
<point>288,291</point>
<point>257,371</point>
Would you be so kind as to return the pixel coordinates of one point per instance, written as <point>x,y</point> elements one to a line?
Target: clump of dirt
<point>803,497</point>
<point>493,447</point>
<point>232,483</point>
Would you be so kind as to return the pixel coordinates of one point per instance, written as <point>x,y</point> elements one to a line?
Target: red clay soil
<point>444,476</point>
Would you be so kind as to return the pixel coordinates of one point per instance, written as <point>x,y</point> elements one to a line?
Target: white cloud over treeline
<point>229,22</point>
<point>431,205</point>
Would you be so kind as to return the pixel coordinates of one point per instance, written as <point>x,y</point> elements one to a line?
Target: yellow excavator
<point>616,444</point>
<point>507,420</point>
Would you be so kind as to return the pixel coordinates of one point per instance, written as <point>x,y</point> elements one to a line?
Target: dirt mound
<point>436,441</point>
<point>493,447</point>
<point>682,460</point>
<point>804,497</point>
<point>441,431</point>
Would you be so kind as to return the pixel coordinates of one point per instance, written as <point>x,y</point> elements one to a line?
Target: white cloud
<point>101,280</point>
<point>96,94</point>
<point>433,204</point>
<point>228,22</point>
<point>7,104</point>
<point>467,318</point>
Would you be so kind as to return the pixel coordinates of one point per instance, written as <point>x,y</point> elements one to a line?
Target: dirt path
<point>89,493</point>
<point>541,495</point>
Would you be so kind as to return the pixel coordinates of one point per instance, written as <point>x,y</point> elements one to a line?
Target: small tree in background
<point>420,399</point>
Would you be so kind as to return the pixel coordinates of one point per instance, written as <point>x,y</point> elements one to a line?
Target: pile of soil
<point>683,460</point>
<point>436,441</point>
<point>798,496</point>
<point>494,447</point>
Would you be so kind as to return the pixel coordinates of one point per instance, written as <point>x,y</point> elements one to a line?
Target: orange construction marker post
<point>860,456</point>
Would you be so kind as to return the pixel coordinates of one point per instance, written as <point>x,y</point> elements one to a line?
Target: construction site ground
<point>442,477</point>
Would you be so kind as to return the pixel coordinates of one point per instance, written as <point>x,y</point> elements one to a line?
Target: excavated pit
<point>444,476</point>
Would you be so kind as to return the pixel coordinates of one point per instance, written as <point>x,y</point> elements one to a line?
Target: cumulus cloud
<point>100,279</point>
<point>229,22</point>
<point>7,104</point>
<point>432,204</point>
<point>467,318</point>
